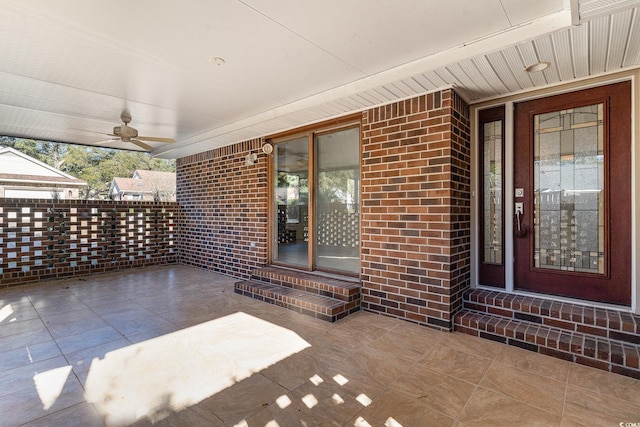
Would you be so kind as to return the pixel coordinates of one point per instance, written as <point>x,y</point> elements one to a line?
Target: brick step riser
<point>590,350</point>
<point>299,304</point>
<point>605,323</point>
<point>318,288</point>
<point>313,289</point>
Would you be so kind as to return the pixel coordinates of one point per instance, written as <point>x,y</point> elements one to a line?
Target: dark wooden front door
<point>573,185</point>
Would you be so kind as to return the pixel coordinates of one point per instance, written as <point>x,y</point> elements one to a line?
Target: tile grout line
<point>521,401</point>
<point>564,396</point>
<point>626,402</point>
<point>64,356</point>
<point>27,423</point>
<point>387,387</point>
<point>477,386</point>
<point>416,362</point>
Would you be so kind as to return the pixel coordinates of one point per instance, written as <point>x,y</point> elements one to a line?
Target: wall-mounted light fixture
<point>250,159</point>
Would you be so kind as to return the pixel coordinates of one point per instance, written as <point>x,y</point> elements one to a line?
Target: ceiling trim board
<point>599,39</point>
<point>632,52</point>
<point>564,54</point>
<point>516,64</point>
<point>547,53</point>
<point>498,62</point>
<point>619,38</point>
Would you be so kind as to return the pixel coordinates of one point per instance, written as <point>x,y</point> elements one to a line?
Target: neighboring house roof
<point>130,185</point>
<point>154,175</point>
<point>18,167</point>
<point>144,182</point>
<point>165,181</point>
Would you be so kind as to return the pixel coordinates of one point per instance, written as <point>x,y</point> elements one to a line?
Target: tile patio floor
<point>176,342</point>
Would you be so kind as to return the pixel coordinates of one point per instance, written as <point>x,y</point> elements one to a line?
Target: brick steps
<point>614,324</point>
<point>321,285</point>
<point>317,296</point>
<point>602,338</point>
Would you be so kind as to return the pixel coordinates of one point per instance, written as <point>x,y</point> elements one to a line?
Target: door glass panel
<point>337,216</point>
<point>292,202</point>
<point>492,200</point>
<point>569,190</point>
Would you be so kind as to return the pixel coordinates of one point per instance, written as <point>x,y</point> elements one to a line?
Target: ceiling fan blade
<point>154,139</point>
<point>142,145</point>
<point>88,131</point>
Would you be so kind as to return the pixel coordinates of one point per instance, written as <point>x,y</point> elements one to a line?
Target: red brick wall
<point>415,208</point>
<point>224,209</point>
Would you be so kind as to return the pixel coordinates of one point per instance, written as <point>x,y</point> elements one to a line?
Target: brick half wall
<point>46,239</point>
<point>416,208</point>
<point>223,202</point>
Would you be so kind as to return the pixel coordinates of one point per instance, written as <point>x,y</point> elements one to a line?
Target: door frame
<point>508,102</point>
<point>617,274</point>
<point>310,131</point>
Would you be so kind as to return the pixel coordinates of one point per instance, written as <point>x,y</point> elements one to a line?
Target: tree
<point>29,147</point>
<point>51,153</point>
<point>337,186</point>
<point>99,166</point>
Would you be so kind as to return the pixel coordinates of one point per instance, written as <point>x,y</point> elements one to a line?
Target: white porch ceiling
<point>69,67</point>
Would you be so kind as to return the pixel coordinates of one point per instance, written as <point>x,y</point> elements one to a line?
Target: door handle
<point>520,230</point>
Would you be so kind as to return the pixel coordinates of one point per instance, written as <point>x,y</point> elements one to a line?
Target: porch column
<point>416,208</point>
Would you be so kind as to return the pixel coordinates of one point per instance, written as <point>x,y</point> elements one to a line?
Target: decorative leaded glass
<point>492,146</point>
<point>569,190</point>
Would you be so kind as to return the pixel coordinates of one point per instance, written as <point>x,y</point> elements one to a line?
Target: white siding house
<point>24,177</point>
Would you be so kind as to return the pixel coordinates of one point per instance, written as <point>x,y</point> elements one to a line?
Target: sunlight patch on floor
<point>49,385</point>
<point>283,401</point>
<point>364,400</point>
<point>340,379</point>
<point>310,400</point>
<point>337,399</point>
<point>361,422</point>
<point>390,422</point>
<point>153,378</point>
<point>5,312</point>
<point>322,404</point>
<point>316,379</point>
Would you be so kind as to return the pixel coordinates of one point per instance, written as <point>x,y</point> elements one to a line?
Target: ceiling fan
<point>126,133</point>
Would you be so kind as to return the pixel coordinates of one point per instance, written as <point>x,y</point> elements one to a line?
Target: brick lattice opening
<point>44,239</point>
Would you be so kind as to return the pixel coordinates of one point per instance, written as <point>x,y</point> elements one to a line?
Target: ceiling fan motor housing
<point>125,132</point>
